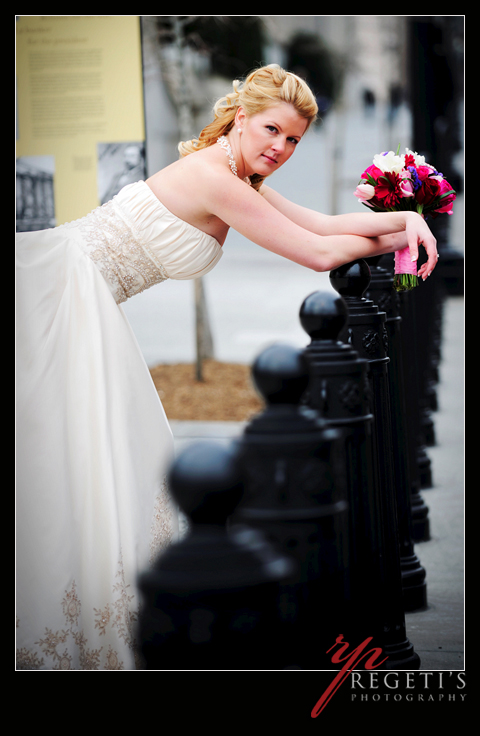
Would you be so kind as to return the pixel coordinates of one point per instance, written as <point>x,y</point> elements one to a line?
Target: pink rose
<point>447,202</point>
<point>423,172</point>
<point>372,171</point>
<point>406,188</point>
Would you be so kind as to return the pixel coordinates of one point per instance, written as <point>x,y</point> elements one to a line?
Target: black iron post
<point>210,602</point>
<point>295,494</point>
<point>339,391</point>
<point>343,387</point>
<point>419,462</point>
<point>382,293</point>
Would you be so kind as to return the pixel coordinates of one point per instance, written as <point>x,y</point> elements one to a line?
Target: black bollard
<point>366,333</point>
<point>210,602</point>
<point>419,463</point>
<point>340,391</point>
<point>429,310</point>
<point>295,494</point>
<point>382,293</point>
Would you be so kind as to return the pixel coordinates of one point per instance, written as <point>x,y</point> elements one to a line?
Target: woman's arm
<point>293,232</point>
<point>393,230</point>
<point>366,224</point>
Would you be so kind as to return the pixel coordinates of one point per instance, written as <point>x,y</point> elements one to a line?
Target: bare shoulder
<point>189,176</point>
<point>189,186</point>
<point>211,167</point>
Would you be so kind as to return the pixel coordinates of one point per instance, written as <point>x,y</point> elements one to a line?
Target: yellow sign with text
<point>80,114</point>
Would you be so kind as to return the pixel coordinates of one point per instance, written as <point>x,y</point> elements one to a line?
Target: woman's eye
<point>273,129</point>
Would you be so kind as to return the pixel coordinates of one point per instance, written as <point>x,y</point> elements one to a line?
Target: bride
<point>93,441</point>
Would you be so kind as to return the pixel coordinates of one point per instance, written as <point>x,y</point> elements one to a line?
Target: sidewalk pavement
<point>437,633</point>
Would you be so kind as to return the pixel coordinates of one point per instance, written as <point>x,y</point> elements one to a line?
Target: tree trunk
<point>180,93</point>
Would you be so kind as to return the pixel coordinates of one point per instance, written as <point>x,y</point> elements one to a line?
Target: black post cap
<point>323,315</point>
<point>206,481</point>
<point>351,279</point>
<point>281,374</point>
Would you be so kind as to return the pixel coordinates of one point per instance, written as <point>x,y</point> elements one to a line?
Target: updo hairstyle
<point>262,88</point>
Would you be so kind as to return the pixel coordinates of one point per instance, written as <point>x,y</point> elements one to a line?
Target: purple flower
<point>416,181</point>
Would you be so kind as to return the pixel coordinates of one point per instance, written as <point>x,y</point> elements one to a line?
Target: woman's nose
<point>279,145</point>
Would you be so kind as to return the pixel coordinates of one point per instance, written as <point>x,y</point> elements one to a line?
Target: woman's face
<point>269,138</point>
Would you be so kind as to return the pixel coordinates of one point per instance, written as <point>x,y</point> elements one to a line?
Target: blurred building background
<point>380,81</point>
<point>401,72</point>
<point>353,63</point>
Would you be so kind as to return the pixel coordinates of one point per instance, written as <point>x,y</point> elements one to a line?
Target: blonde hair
<point>264,87</point>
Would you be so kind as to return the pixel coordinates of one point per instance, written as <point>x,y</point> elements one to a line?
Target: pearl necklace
<point>223,143</point>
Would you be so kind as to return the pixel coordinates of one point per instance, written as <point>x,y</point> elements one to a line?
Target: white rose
<point>389,162</point>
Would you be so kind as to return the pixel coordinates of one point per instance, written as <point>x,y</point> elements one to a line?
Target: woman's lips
<point>269,158</point>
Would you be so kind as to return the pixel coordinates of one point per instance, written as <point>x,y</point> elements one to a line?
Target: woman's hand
<point>418,233</point>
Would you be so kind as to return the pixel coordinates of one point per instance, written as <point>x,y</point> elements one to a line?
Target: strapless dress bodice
<point>136,242</point>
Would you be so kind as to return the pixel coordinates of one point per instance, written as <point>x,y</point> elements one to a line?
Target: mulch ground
<point>225,394</point>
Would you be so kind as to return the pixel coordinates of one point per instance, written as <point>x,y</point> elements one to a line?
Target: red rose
<point>429,191</point>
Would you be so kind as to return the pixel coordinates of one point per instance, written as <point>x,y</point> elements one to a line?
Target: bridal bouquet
<point>404,182</point>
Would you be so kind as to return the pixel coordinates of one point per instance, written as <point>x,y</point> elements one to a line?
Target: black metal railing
<point>303,529</point>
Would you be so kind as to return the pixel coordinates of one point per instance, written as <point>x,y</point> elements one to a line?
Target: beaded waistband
<point>127,265</point>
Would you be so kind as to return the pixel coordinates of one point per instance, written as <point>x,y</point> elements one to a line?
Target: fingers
<point>431,249</point>
<point>418,233</point>
<point>429,242</point>
<point>427,268</point>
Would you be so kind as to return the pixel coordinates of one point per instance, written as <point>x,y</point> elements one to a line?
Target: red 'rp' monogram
<point>353,659</point>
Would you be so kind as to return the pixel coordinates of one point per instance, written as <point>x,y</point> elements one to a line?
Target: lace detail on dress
<point>63,647</point>
<point>161,532</point>
<point>127,264</point>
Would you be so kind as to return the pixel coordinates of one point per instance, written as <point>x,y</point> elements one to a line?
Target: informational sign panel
<point>80,114</point>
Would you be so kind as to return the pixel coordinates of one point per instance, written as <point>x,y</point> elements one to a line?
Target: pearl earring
<point>239,130</point>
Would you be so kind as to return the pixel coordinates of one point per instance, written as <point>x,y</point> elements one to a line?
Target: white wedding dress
<point>93,442</point>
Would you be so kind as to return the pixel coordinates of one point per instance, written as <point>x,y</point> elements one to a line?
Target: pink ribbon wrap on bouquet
<point>405,271</point>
